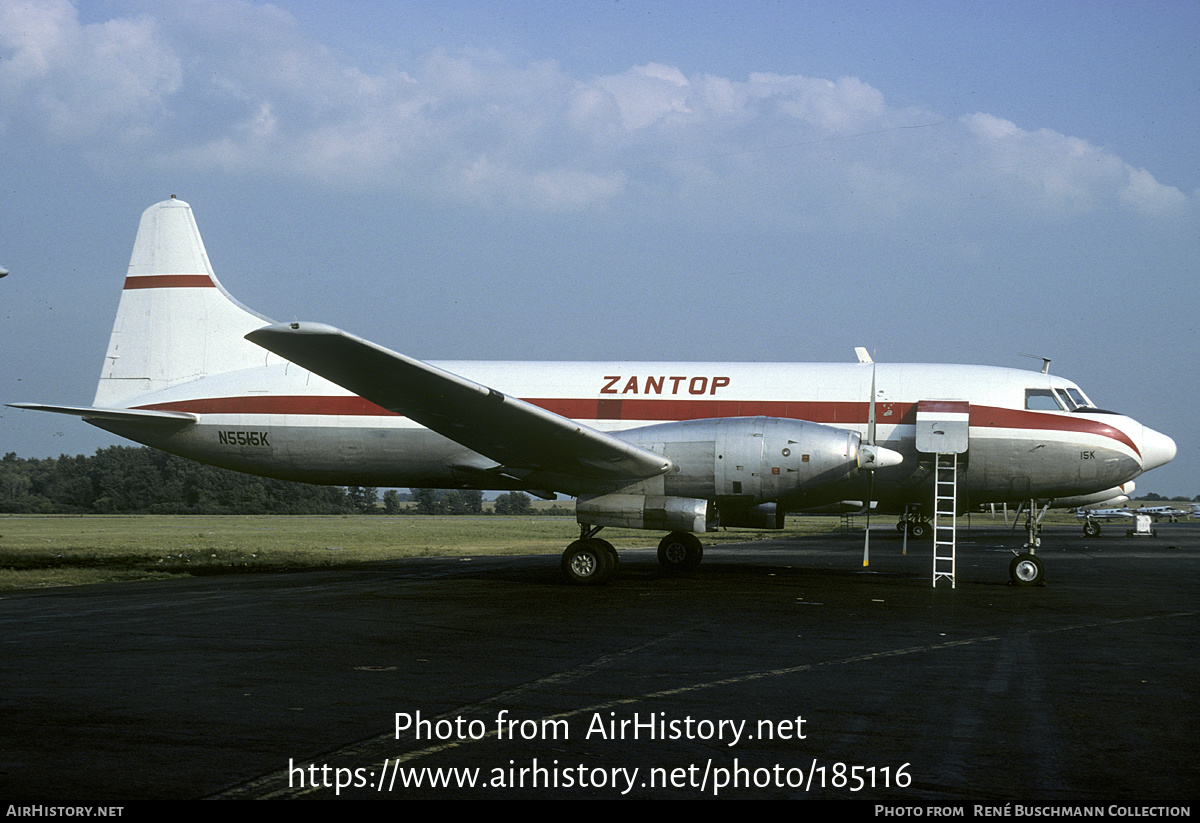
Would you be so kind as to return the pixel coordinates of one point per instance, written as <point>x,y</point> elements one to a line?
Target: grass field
<point>64,550</point>
<point>67,550</point>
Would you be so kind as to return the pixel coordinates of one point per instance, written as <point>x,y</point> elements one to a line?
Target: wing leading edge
<point>521,437</point>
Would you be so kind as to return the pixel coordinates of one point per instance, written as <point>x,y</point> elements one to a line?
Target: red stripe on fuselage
<point>646,411</point>
<point>349,406</point>
<point>170,281</point>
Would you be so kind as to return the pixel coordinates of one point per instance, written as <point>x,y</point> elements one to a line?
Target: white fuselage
<point>283,421</point>
<point>190,370</point>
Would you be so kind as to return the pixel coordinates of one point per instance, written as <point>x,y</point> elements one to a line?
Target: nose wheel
<point>1026,570</point>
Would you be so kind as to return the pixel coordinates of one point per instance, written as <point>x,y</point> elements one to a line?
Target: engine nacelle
<point>745,461</point>
<point>643,511</point>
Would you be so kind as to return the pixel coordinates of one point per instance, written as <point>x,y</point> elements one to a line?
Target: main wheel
<point>588,562</point>
<point>680,552</point>
<point>614,559</point>
<point>918,529</point>
<point>1026,570</point>
<point>1091,529</point>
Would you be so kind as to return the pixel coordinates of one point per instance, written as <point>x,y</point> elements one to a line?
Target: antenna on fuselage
<point>1045,361</point>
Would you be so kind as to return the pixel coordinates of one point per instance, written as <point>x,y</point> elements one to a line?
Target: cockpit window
<point>1042,400</point>
<point>1065,399</point>
<point>1080,400</point>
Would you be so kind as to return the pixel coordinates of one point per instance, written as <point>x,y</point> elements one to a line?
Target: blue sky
<point>939,182</point>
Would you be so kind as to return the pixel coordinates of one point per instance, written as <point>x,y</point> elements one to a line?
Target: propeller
<point>870,474</point>
<point>870,458</point>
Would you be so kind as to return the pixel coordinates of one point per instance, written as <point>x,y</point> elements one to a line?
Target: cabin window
<point>1042,400</point>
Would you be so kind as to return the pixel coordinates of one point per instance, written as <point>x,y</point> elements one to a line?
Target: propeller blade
<point>871,461</point>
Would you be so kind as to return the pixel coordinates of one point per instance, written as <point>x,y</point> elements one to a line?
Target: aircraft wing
<point>521,437</point>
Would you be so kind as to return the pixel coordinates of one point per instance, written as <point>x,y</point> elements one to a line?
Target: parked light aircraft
<point>1093,517</point>
<point>1170,512</point>
<point>675,447</point>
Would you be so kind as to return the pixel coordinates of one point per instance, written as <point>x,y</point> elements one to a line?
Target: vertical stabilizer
<point>175,322</point>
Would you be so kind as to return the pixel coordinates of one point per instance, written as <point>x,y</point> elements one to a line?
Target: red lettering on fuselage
<point>662,384</point>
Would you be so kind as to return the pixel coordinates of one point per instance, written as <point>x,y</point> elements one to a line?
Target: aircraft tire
<point>1091,529</point>
<point>1027,570</point>
<point>918,530</point>
<point>614,559</point>
<point>680,552</point>
<point>588,562</point>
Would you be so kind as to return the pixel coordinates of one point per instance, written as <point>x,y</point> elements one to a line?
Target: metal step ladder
<point>945,517</point>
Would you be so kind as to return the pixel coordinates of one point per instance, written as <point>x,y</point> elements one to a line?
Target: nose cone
<point>877,457</point>
<point>1157,449</point>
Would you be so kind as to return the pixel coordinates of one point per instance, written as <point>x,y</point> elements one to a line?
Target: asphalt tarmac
<point>779,669</point>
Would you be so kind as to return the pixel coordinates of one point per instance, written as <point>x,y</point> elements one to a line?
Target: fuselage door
<point>943,426</point>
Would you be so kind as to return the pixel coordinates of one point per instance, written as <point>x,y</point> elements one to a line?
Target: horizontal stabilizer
<point>506,429</point>
<point>125,415</point>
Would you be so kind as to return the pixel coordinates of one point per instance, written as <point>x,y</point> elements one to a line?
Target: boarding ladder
<point>945,517</point>
<point>943,430</point>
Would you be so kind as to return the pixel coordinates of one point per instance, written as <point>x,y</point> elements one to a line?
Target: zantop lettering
<point>662,384</point>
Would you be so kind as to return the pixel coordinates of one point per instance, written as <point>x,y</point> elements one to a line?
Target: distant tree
<point>391,502</point>
<point>463,501</point>
<point>363,497</point>
<point>513,503</point>
<point>429,501</point>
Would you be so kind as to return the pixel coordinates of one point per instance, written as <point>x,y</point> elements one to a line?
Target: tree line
<point>139,480</point>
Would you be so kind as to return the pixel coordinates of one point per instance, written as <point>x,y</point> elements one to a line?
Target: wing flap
<point>506,429</point>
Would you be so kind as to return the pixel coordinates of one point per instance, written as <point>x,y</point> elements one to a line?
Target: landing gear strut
<point>1026,568</point>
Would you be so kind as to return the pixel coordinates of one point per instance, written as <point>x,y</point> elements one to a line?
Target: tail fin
<point>175,322</point>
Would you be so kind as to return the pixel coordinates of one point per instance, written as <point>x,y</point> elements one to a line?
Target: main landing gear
<point>917,528</point>
<point>680,552</point>
<point>1026,568</point>
<point>590,561</point>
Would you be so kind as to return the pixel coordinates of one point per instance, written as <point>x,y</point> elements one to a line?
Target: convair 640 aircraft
<point>675,447</point>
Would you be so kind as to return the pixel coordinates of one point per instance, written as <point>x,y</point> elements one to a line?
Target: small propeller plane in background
<point>675,447</point>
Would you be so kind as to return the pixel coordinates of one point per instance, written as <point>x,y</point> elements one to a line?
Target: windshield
<point>1043,400</point>
<point>1067,398</point>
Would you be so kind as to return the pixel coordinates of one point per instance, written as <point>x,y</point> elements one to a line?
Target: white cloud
<point>1150,197</point>
<point>240,89</point>
<point>1048,170</point>
<point>80,81</point>
<point>646,94</point>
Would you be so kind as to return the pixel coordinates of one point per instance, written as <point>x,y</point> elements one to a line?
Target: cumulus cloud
<point>238,88</point>
<point>1050,170</point>
<point>78,81</point>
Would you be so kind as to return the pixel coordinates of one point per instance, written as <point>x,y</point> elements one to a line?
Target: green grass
<point>63,550</point>
<point>67,550</point>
